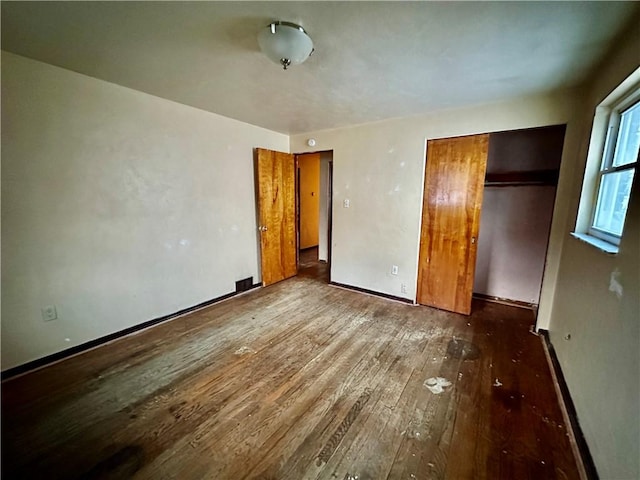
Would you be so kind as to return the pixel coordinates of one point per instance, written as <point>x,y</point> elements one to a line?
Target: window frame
<point>606,163</point>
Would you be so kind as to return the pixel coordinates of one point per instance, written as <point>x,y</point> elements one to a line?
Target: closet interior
<point>519,194</point>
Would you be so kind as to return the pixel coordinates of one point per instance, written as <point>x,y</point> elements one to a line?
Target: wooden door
<point>276,213</point>
<point>454,180</point>
<point>309,186</point>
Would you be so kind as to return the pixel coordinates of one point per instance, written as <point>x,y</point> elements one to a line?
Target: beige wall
<point>601,361</point>
<point>379,168</point>
<point>117,207</point>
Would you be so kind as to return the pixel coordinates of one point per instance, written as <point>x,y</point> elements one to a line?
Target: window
<point>618,167</point>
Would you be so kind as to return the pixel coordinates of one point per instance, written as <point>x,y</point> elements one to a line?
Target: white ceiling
<point>373,60</point>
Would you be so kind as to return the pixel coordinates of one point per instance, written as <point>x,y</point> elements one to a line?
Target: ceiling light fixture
<point>285,43</point>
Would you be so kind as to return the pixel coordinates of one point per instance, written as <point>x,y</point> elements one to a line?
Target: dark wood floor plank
<point>359,453</point>
<point>297,380</point>
<point>332,402</point>
<point>468,443</point>
<point>347,387</point>
<point>384,383</point>
<point>358,366</point>
<point>383,426</point>
<point>260,385</point>
<point>268,407</point>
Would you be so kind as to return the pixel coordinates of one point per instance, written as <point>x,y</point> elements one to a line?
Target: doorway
<point>314,174</point>
<point>519,195</point>
<point>516,197</point>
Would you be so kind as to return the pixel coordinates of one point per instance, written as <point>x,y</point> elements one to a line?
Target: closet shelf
<point>531,177</point>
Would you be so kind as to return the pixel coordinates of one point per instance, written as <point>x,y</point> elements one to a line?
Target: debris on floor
<point>437,384</point>
<point>243,350</point>
<point>497,383</point>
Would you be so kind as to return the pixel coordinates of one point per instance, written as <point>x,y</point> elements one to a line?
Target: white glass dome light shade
<point>285,43</point>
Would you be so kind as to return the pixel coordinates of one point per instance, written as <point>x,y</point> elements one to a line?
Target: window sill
<point>601,245</point>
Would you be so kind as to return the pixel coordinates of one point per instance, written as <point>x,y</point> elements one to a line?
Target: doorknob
<point>262,228</point>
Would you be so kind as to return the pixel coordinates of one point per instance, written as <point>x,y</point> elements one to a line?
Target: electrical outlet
<point>394,269</point>
<point>346,203</point>
<point>49,313</point>
<point>403,288</point>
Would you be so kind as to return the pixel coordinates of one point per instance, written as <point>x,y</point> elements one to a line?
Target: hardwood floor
<point>310,267</point>
<point>299,380</point>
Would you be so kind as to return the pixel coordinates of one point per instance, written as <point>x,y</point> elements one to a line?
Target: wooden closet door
<point>453,185</point>
<point>277,214</point>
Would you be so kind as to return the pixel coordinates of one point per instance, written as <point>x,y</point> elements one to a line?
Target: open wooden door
<point>453,186</point>
<point>275,177</point>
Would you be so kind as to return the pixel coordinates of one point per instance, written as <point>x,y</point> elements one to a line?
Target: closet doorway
<point>519,196</point>
<point>486,235</point>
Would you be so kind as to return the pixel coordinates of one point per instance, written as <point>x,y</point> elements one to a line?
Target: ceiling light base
<point>285,43</point>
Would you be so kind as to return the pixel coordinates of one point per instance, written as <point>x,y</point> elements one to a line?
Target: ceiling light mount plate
<point>285,43</point>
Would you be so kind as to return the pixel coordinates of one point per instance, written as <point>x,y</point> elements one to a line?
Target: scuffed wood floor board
<point>298,380</point>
